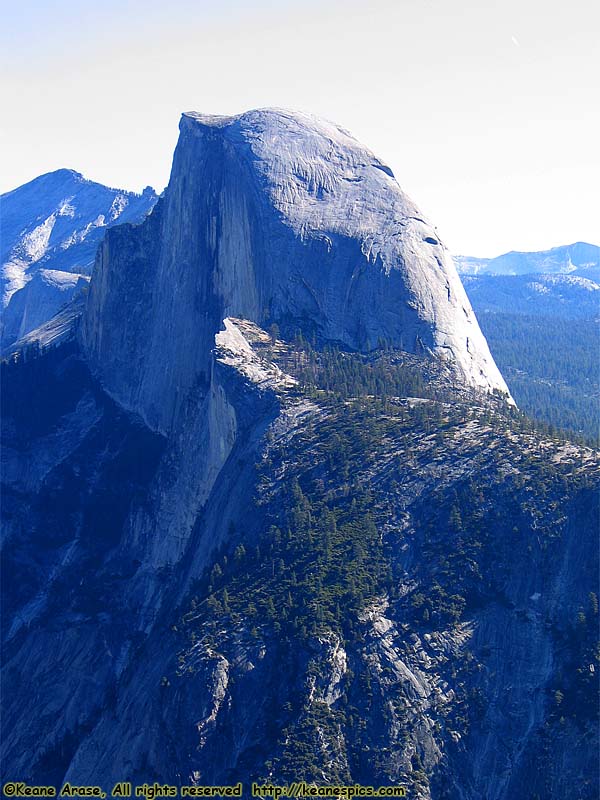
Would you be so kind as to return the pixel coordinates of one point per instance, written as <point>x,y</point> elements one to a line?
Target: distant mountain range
<point>51,228</point>
<point>542,328</point>
<point>581,259</point>
<point>566,296</point>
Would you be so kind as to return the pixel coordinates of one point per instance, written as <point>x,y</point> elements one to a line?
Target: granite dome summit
<point>275,216</point>
<point>233,553</point>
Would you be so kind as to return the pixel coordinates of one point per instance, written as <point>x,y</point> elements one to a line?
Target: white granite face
<point>275,216</point>
<point>328,187</point>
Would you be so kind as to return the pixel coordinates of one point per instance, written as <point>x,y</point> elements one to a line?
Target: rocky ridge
<point>445,530</point>
<point>51,228</point>
<point>243,540</point>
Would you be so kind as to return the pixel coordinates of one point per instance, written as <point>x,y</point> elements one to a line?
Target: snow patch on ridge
<point>30,249</point>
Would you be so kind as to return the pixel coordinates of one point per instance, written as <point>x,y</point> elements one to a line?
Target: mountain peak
<point>54,178</point>
<point>53,225</point>
<point>556,260</point>
<point>284,129</point>
<point>274,216</point>
<point>277,114</point>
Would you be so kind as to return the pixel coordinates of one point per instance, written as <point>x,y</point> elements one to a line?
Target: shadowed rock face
<point>276,217</point>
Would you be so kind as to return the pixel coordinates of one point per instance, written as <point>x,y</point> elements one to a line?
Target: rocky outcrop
<point>276,217</point>
<point>44,296</point>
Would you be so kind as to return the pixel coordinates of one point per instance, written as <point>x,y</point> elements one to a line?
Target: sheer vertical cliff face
<point>251,579</point>
<point>276,217</point>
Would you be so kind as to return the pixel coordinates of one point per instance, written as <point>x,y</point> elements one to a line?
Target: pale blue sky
<point>488,112</point>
